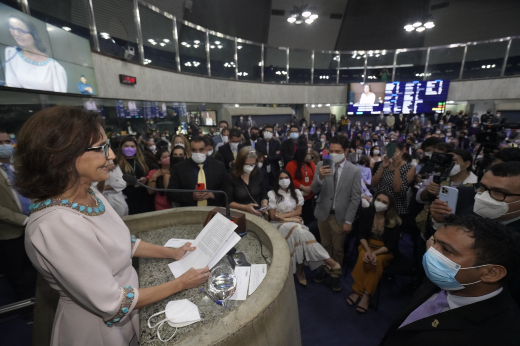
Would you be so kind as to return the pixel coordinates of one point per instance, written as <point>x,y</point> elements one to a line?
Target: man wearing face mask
<point>339,187</point>
<point>354,157</point>
<point>149,154</point>
<point>271,149</point>
<point>14,211</point>
<point>253,139</point>
<point>218,137</point>
<point>200,169</point>
<point>390,120</point>
<point>289,145</point>
<point>229,151</point>
<point>464,301</point>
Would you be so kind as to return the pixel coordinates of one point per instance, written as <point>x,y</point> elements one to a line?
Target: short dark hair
<point>223,122</point>
<point>506,169</point>
<point>430,142</point>
<point>235,133</point>
<point>445,147</point>
<point>294,127</point>
<point>495,243</point>
<point>505,154</point>
<point>209,140</point>
<point>197,139</point>
<point>465,155</point>
<point>341,140</point>
<point>268,126</point>
<point>47,148</point>
<point>255,128</point>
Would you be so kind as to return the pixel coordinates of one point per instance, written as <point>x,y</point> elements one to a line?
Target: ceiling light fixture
<point>105,35</point>
<point>162,44</point>
<point>196,41</point>
<point>419,26</point>
<point>420,29</point>
<point>239,47</point>
<point>301,14</point>
<point>217,42</point>
<point>166,40</point>
<point>66,28</point>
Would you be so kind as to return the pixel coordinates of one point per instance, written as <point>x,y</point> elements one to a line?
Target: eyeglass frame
<point>18,30</point>
<point>476,186</point>
<point>106,148</point>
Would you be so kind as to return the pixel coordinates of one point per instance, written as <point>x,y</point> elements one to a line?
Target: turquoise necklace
<point>33,62</point>
<point>93,210</point>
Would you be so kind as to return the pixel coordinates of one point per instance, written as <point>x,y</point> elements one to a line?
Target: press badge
<point>306,179</point>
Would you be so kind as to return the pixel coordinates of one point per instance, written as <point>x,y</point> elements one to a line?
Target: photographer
<point>460,175</point>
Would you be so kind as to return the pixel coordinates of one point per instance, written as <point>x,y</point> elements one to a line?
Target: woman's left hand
<point>396,160</point>
<point>373,258</point>
<point>179,252</point>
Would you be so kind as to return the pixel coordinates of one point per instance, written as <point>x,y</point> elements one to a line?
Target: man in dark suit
<point>435,118</point>
<point>447,117</point>
<point>463,141</point>
<point>463,307</point>
<point>289,145</point>
<point>229,151</point>
<point>271,149</point>
<point>253,139</point>
<point>400,122</point>
<point>200,169</point>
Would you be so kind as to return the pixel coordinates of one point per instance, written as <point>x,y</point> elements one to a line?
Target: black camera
<point>438,163</point>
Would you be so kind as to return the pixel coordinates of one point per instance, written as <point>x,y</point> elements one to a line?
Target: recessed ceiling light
<point>409,28</point>
<point>196,41</point>
<point>328,105</point>
<point>212,46</point>
<point>309,21</point>
<point>162,44</point>
<point>306,14</point>
<point>166,40</point>
<point>217,42</point>
<point>66,28</point>
<point>420,29</point>
<point>314,16</point>
<point>237,105</point>
<point>429,25</point>
<point>183,43</point>
<point>313,106</point>
<point>239,47</point>
<point>195,46</point>
<point>219,46</point>
<point>298,21</point>
<point>417,24</point>
<point>291,19</point>
<point>320,105</point>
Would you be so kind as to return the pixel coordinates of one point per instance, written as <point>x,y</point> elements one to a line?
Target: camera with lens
<point>440,166</point>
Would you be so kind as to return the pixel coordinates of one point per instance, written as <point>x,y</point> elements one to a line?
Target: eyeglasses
<point>105,147</point>
<point>18,30</point>
<point>495,194</point>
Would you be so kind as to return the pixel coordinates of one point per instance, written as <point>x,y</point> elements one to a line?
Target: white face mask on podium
<point>179,313</point>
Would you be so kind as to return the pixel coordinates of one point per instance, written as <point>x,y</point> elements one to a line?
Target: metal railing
<point>338,59</point>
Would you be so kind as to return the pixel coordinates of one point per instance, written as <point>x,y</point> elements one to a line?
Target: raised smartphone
<point>390,149</point>
<point>449,195</point>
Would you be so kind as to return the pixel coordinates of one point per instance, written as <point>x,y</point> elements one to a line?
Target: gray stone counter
<point>268,317</point>
<point>155,271</point>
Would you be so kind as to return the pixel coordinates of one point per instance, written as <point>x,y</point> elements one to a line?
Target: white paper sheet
<point>228,245</point>
<point>258,272</point>
<point>176,243</point>
<point>242,275</point>
<point>209,242</point>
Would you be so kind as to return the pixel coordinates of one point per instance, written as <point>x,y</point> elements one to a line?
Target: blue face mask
<point>367,146</point>
<point>294,135</point>
<point>442,271</point>
<point>6,151</point>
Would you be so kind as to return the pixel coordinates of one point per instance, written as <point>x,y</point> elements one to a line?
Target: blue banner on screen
<point>40,56</point>
<point>416,97</point>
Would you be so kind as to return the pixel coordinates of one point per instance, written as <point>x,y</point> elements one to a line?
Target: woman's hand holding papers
<point>194,277</point>
<point>179,252</point>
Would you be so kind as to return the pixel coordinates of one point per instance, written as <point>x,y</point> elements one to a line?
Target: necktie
<point>428,308</point>
<point>234,153</point>
<point>254,144</point>
<point>24,202</point>
<point>202,180</point>
<point>336,169</point>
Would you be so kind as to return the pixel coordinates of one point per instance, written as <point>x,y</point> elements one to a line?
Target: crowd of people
<point>322,186</point>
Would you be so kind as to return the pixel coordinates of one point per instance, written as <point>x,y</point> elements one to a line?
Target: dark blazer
<point>464,143</point>
<point>494,321</point>
<point>185,176</point>
<point>241,193</point>
<point>272,156</point>
<point>366,220</point>
<point>288,151</point>
<point>435,118</point>
<point>400,124</point>
<point>227,155</point>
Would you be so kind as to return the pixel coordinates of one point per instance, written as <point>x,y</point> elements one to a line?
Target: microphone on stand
<point>131,180</point>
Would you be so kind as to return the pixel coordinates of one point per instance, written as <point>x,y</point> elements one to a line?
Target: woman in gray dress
<point>74,237</point>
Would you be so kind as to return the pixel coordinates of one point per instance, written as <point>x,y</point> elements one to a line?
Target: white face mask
<point>260,165</point>
<point>359,151</point>
<point>322,140</point>
<point>455,170</point>
<point>489,208</point>
<point>198,157</point>
<point>337,158</point>
<point>152,148</point>
<point>376,152</point>
<point>437,132</point>
<point>233,146</point>
<point>225,139</point>
<point>210,152</point>
<point>179,313</point>
<point>284,183</point>
<point>380,206</point>
<point>268,135</point>
<point>248,168</point>
<point>179,144</point>
<point>306,133</point>
<point>428,154</point>
<point>386,143</point>
<point>474,125</point>
<point>440,122</point>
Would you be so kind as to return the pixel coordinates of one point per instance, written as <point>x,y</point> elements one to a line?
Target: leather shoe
<point>321,276</point>
<point>336,284</point>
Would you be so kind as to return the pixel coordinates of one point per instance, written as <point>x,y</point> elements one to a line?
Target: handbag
<point>265,216</point>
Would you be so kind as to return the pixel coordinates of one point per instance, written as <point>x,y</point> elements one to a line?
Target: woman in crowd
<point>74,237</point>
<point>461,173</point>
<point>366,172</point>
<point>113,189</point>
<point>285,209</point>
<point>210,149</point>
<point>394,176</point>
<point>131,160</point>
<point>375,155</point>
<point>159,179</point>
<point>180,140</point>
<point>378,236</point>
<point>302,174</point>
<point>245,187</point>
<point>178,154</point>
